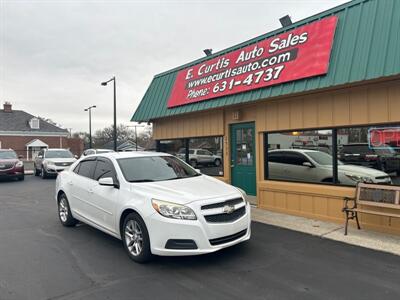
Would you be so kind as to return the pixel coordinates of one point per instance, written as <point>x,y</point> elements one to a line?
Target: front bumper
<point>14,172</point>
<point>53,169</point>
<point>163,229</point>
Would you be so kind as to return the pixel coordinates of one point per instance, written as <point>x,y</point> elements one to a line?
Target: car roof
<point>295,150</point>
<point>129,154</point>
<point>6,150</point>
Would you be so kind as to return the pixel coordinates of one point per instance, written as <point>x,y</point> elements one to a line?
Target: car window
<point>59,154</point>
<point>8,155</point>
<point>277,157</point>
<point>295,158</point>
<point>104,168</point>
<point>191,151</point>
<point>86,168</point>
<point>201,152</point>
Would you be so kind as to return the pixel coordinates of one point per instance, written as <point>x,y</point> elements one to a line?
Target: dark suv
<point>10,165</point>
<point>384,159</point>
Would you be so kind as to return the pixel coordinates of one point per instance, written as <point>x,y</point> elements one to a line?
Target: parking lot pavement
<point>40,259</point>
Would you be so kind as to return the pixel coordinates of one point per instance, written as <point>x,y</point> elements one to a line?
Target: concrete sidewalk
<point>363,238</point>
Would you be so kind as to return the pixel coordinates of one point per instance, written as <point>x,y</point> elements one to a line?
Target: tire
<point>135,238</point>
<point>43,173</point>
<point>37,172</point>
<point>64,212</point>
<point>217,162</point>
<point>327,180</point>
<point>193,163</point>
<point>21,178</point>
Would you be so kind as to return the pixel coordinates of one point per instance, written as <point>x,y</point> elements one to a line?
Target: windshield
<point>8,155</point>
<point>322,158</point>
<point>154,168</point>
<point>58,154</point>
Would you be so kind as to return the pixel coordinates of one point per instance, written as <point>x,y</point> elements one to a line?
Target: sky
<point>54,54</point>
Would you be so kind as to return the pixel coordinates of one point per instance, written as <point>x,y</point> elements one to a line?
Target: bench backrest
<point>378,195</point>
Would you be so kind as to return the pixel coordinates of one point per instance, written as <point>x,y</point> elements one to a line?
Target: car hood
<point>7,161</point>
<point>61,160</point>
<point>363,171</point>
<point>183,191</point>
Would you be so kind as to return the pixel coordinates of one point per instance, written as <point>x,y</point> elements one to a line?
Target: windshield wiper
<point>142,180</point>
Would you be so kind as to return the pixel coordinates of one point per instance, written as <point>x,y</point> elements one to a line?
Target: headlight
<point>49,162</point>
<point>358,178</point>
<point>173,210</point>
<point>19,164</point>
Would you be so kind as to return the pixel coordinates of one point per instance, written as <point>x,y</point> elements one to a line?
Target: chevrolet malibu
<point>154,202</point>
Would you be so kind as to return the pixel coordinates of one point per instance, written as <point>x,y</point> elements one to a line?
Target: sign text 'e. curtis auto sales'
<point>299,53</point>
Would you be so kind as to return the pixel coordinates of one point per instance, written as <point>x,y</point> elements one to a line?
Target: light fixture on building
<point>285,21</point>
<point>208,52</point>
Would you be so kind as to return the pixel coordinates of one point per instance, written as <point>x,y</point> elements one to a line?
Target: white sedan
<point>154,202</point>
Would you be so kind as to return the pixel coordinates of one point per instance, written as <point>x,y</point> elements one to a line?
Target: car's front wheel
<point>136,238</point>
<point>64,212</point>
<point>43,173</point>
<point>217,162</point>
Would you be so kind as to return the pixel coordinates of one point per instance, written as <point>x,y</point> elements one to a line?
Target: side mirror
<point>107,181</point>
<point>76,156</point>
<point>198,171</point>
<point>308,164</point>
<point>20,156</point>
<point>40,156</point>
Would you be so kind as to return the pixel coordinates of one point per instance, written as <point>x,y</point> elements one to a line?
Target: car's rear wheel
<point>193,163</point>
<point>217,162</point>
<point>136,238</point>
<point>64,212</point>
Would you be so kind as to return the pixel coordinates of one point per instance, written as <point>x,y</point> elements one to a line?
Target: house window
<point>34,123</point>
<point>343,156</point>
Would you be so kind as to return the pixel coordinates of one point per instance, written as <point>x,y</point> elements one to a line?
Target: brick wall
<point>18,143</point>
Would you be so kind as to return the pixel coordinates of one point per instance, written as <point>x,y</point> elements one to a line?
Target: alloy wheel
<point>134,237</point>
<point>63,210</point>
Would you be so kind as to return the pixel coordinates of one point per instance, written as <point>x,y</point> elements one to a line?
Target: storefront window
<point>304,156</point>
<point>206,155</point>
<point>369,154</point>
<point>174,147</point>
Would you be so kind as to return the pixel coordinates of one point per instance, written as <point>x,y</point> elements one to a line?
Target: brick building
<point>27,134</point>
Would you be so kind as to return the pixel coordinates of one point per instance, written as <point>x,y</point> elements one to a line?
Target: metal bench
<point>372,196</point>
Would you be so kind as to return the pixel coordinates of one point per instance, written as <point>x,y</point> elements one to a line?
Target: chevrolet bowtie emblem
<point>228,209</point>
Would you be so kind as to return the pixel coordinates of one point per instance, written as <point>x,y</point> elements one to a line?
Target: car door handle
<point>70,182</point>
<point>90,191</point>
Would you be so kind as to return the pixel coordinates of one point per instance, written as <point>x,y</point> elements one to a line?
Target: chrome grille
<point>225,211</point>
<point>6,166</point>
<point>222,204</point>
<point>63,164</point>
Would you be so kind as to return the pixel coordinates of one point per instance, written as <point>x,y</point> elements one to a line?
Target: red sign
<point>381,138</point>
<point>300,53</point>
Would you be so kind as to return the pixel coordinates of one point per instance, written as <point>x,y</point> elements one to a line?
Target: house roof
<point>366,46</point>
<point>18,121</point>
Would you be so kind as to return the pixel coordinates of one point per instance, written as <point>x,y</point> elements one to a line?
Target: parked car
<point>95,151</point>
<point>316,166</point>
<point>50,162</point>
<point>201,157</point>
<point>10,165</point>
<point>154,202</point>
<point>384,159</point>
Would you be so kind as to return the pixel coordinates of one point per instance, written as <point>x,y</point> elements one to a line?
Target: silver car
<point>50,162</point>
<point>201,157</point>
<point>316,166</point>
